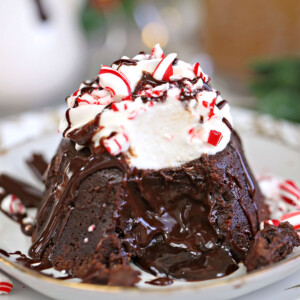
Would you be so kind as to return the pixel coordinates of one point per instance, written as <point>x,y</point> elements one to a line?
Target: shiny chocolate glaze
<point>193,222</point>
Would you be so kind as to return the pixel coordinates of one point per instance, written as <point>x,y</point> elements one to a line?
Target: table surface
<point>277,291</point>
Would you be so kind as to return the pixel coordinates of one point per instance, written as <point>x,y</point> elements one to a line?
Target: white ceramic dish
<point>266,152</point>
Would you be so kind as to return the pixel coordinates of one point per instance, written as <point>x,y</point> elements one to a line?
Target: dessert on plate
<point>150,171</point>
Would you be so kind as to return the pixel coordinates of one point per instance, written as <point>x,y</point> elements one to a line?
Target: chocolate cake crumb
<point>118,275</point>
<point>271,245</point>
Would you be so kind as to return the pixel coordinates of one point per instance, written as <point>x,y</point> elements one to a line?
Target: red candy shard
<point>5,285</point>
<point>273,222</point>
<point>199,73</point>
<point>164,70</point>
<point>168,73</point>
<point>157,52</point>
<point>205,104</point>
<point>290,215</point>
<point>196,68</point>
<point>289,192</point>
<point>211,108</point>
<point>214,137</point>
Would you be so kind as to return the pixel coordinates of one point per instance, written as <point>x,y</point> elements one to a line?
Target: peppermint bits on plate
<point>5,285</point>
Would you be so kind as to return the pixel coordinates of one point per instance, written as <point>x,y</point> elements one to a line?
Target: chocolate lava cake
<point>150,172</point>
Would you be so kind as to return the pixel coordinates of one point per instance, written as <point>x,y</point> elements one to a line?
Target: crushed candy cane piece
<point>293,218</point>
<point>281,195</point>
<point>120,106</point>
<point>91,228</point>
<point>199,73</point>
<point>214,137</point>
<point>157,52</point>
<point>117,143</point>
<point>12,205</point>
<point>5,285</point>
<point>164,69</point>
<point>289,192</point>
<point>115,82</point>
<point>271,222</point>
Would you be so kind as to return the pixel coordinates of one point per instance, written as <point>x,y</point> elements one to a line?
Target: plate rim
<point>113,289</point>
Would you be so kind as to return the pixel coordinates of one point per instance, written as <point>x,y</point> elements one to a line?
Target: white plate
<point>270,147</point>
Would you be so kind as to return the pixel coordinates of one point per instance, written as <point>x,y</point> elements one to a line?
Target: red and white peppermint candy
<point>115,82</point>
<point>157,52</point>
<point>91,228</point>
<point>289,192</point>
<point>164,69</point>
<point>12,205</point>
<point>214,137</point>
<point>271,222</point>
<point>195,133</point>
<point>199,73</point>
<point>117,144</point>
<point>5,285</point>
<point>293,218</point>
<point>120,106</point>
<point>97,97</point>
<point>154,92</point>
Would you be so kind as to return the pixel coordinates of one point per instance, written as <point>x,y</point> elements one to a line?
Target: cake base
<point>194,222</point>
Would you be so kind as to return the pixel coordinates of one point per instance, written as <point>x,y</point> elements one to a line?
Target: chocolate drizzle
<point>33,264</point>
<point>83,135</point>
<point>127,62</point>
<point>185,95</point>
<point>29,195</point>
<point>221,104</point>
<point>41,10</point>
<point>227,123</point>
<point>161,281</point>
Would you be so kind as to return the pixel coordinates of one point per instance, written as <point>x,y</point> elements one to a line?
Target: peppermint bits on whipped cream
<point>134,104</point>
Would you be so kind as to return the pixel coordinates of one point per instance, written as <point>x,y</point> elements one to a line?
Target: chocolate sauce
<point>79,167</point>
<point>41,10</point>
<point>185,95</point>
<point>221,104</point>
<point>227,123</point>
<point>248,175</point>
<point>26,228</point>
<point>33,264</point>
<point>83,135</point>
<point>29,195</point>
<point>147,79</point>
<point>38,165</point>
<point>127,62</point>
<point>161,281</point>
<point>4,253</point>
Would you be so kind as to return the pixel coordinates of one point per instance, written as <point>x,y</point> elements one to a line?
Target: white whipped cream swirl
<point>153,126</point>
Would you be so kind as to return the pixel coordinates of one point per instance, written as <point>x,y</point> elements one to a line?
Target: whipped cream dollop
<point>155,111</point>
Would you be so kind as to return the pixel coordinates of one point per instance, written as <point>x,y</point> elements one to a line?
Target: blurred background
<point>251,49</point>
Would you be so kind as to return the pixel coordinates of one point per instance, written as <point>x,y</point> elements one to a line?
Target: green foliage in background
<point>95,18</point>
<point>277,86</point>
